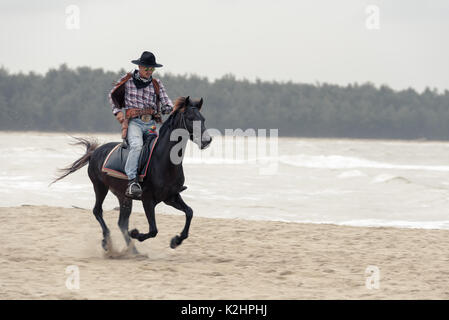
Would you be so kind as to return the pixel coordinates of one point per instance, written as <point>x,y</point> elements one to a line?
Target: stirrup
<point>136,193</point>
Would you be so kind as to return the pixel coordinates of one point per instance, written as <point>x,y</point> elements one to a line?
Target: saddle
<point>114,164</point>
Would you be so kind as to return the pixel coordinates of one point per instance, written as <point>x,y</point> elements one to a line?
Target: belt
<point>143,114</point>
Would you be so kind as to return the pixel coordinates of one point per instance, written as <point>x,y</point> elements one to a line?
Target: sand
<point>222,259</point>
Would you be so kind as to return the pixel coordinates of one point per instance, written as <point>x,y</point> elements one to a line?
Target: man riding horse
<point>138,100</point>
<point>143,99</point>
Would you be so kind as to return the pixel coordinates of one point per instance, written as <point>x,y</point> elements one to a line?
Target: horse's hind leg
<point>126,205</point>
<point>177,202</point>
<point>101,191</point>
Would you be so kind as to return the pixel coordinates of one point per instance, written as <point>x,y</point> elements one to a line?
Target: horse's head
<point>191,119</point>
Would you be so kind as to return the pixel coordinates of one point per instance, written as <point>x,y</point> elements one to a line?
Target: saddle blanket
<point>114,164</point>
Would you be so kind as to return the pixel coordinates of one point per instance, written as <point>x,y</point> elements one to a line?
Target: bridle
<point>185,125</point>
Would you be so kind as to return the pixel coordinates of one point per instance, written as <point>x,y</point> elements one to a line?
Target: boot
<point>134,190</point>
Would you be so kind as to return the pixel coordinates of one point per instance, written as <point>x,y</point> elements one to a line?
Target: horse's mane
<point>168,124</point>
<point>179,103</point>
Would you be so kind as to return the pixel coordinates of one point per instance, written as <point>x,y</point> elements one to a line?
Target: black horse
<point>164,181</point>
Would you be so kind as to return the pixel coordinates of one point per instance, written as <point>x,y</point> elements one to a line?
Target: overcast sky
<point>337,42</point>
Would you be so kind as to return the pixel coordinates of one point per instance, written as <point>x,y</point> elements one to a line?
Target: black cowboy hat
<point>147,59</point>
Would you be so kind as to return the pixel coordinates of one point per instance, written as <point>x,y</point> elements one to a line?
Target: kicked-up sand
<point>42,248</point>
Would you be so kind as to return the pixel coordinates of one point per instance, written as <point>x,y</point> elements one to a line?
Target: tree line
<point>70,100</point>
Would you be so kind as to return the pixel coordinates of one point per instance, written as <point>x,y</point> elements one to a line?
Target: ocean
<point>333,181</point>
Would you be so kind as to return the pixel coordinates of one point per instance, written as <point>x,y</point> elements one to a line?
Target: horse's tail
<point>81,162</point>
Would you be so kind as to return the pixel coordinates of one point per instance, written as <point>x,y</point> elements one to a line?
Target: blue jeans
<point>137,132</point>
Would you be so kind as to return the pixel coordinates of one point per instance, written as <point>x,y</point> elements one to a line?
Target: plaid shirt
<point>143,98</point>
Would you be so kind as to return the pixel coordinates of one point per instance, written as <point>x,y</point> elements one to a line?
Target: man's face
<point>145,72</point>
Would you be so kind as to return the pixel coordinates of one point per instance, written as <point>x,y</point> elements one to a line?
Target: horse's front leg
<point>177,202</point>
<point>148,206</point>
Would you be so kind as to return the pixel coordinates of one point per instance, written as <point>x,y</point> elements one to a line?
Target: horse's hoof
<point>175,242</point>
<point>105,244</point>
<point>134,233</point>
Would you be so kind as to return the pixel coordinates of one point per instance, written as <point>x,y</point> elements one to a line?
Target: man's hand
<point>120,117</point>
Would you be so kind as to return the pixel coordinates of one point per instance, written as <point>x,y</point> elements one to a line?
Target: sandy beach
<point>222,259</point>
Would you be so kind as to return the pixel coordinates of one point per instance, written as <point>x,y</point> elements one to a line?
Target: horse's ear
<point>200,104</point>
<point>187,101</point>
